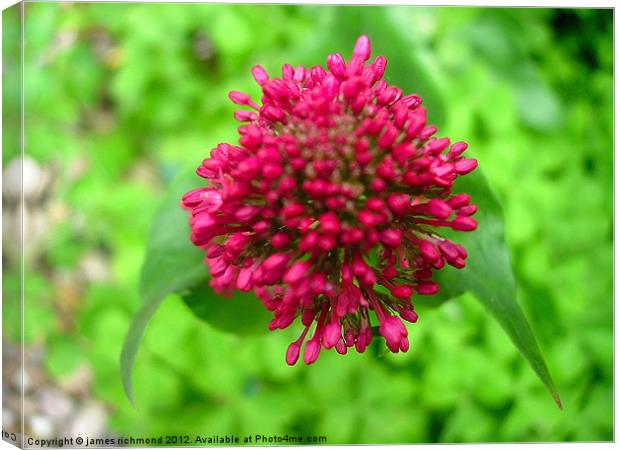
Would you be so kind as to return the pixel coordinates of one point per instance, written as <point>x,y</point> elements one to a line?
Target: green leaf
<point>241,313</point>
<point>172,263</point>
<point>488,274</point>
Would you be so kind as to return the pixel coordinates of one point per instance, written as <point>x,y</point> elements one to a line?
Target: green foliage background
<point>136,93</point>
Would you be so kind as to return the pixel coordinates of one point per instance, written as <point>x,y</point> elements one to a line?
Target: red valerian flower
<point>331,206</point>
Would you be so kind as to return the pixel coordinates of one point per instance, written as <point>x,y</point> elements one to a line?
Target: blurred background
<point>119,98</point>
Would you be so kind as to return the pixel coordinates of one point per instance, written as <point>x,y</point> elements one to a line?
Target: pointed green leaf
<point>488,274</point>
<point>171,264</point>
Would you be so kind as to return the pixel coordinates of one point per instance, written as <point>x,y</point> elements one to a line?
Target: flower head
<point>331,207</point>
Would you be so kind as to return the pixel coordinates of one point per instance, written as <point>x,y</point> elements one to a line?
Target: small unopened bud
<point>292,353</point>
<point>428,251</point>
<point>260,75</point>
<point>459,200</point>
<point>362,48</point>
<point>464,223</point>
<point>427,288</point>
<point>274,267</point>
<point>378,68</point>
<point>403,291</point>
<point>311,351</point>
<point>391,237</point>
<point>409,315</point>
<point>393,330</point>
<point>464,166</point>
<point>438,208</point>
<point>296,272</point>
<point>331,334</point>
<point>336,65</point>
<point>329,223</point>
<point>341,347</point>
<point>239,98</point>
<point>457,149</point>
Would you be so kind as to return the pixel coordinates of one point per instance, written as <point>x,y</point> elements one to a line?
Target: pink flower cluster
<point>330,207</point>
